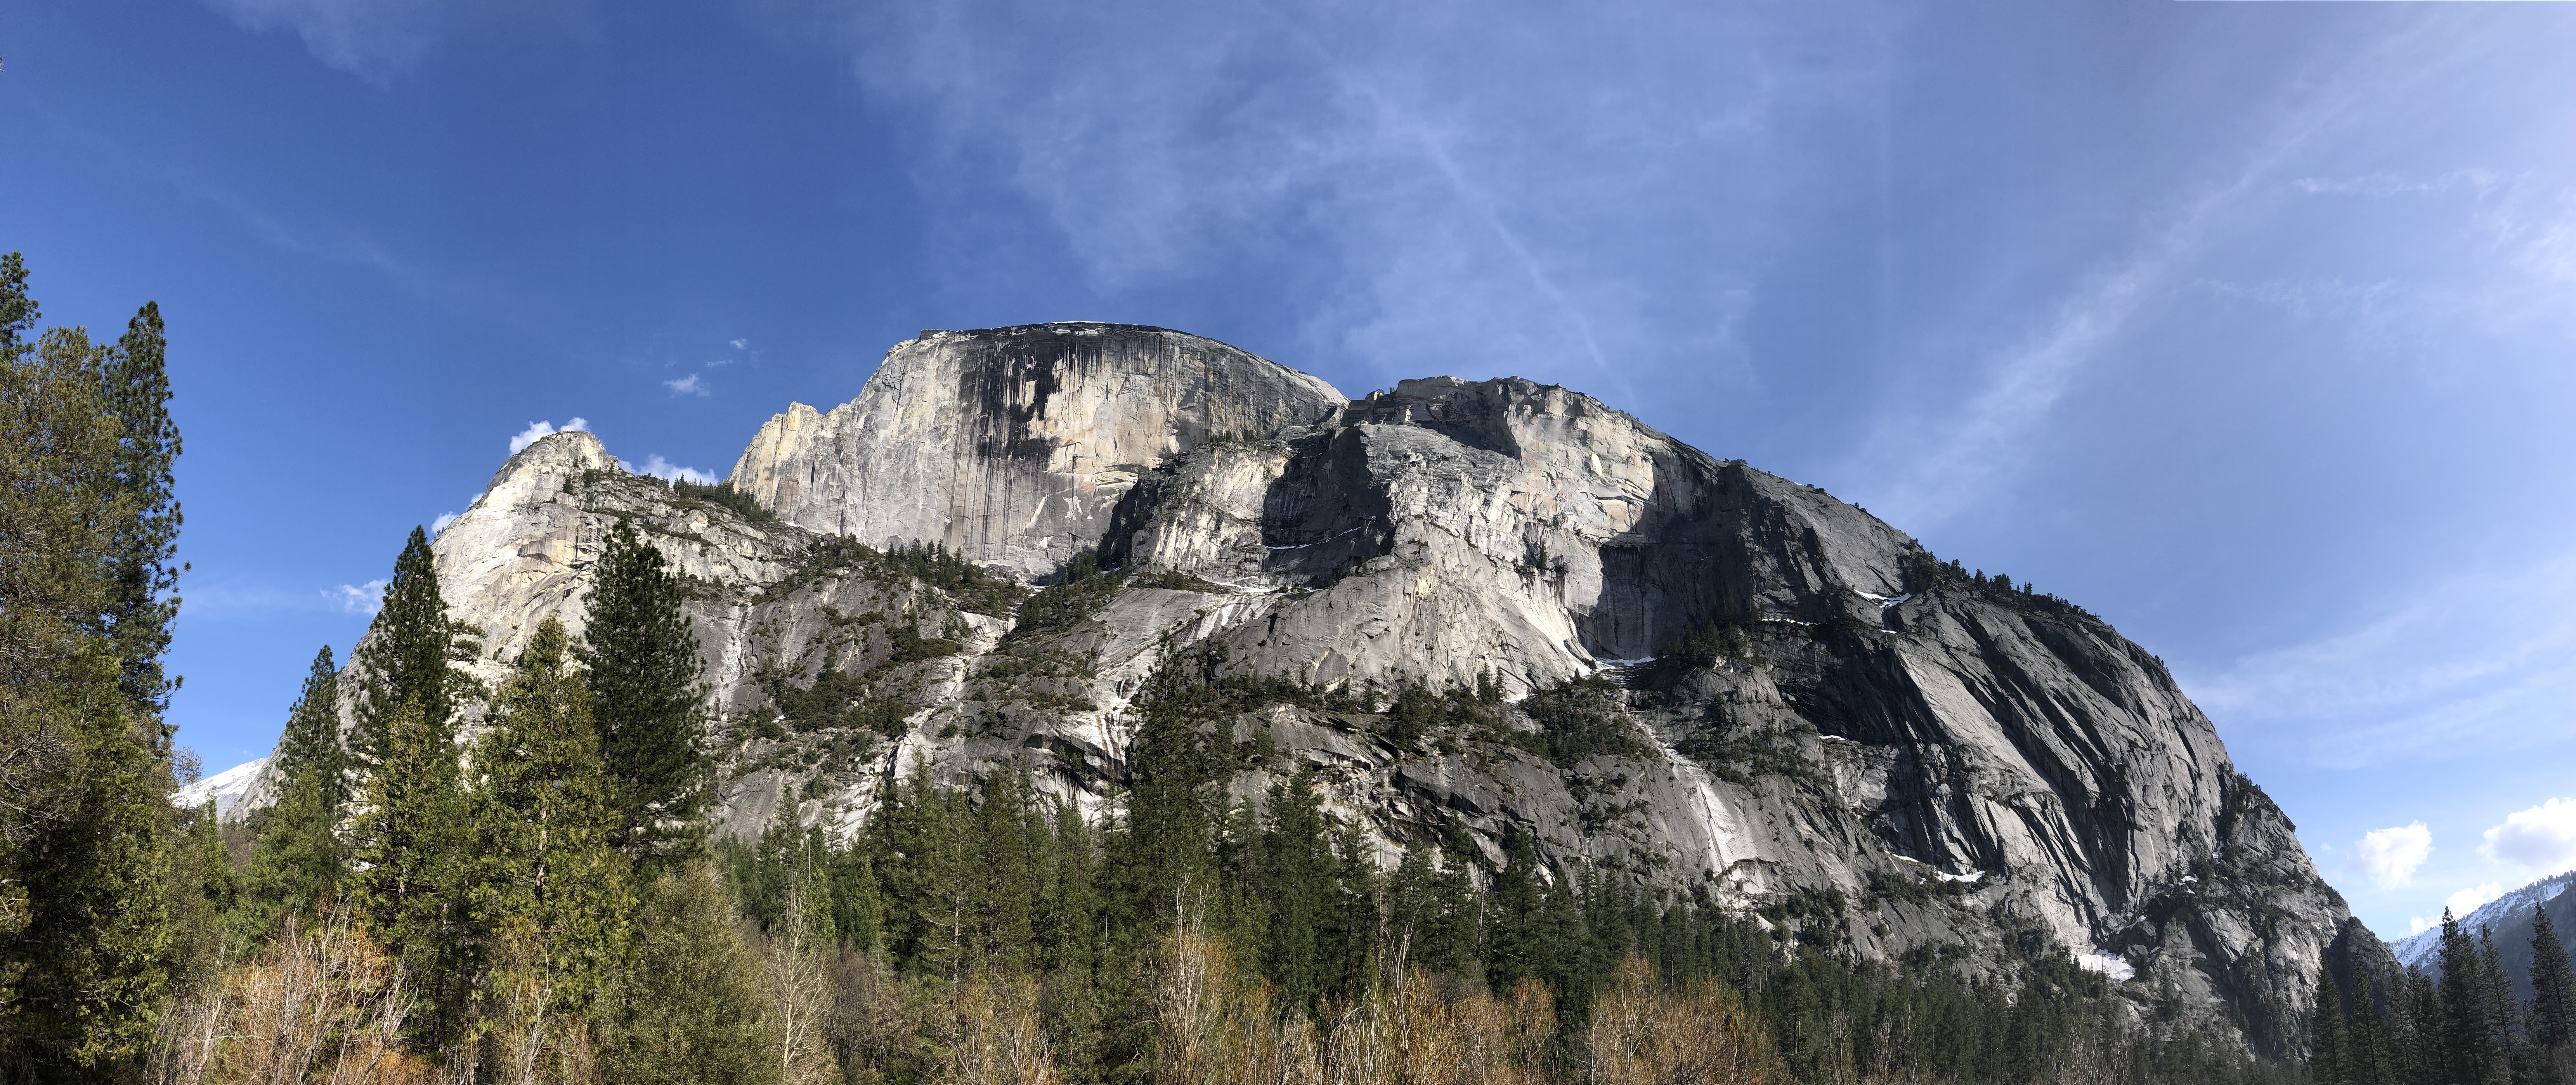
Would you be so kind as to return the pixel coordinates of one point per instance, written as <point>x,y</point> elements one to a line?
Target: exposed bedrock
<point>1870,751</point>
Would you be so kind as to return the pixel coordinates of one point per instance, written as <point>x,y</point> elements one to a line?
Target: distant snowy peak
<point>2511,911</point>
<point>225,788</point>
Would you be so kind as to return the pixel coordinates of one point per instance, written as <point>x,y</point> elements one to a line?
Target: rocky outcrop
<point>1871,749</point>
<point>1011,446</point>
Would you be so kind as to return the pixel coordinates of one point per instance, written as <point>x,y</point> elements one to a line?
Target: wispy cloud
<point>2478,659</point>
<point>2389,857</point>
<point>381,41</point>
<point>367,598</point>
<point>689,385</point>
<point>1450,212</point>
<point>537,430</point>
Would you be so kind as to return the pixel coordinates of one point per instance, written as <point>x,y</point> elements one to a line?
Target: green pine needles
<point>643,672</point>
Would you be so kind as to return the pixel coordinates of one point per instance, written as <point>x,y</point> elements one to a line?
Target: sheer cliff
<point>1696,675</point>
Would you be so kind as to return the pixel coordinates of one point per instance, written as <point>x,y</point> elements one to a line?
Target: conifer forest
<point>544,897</point>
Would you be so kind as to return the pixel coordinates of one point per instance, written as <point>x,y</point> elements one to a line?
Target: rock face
<point>1009,446</point>
<point>1874,750</point>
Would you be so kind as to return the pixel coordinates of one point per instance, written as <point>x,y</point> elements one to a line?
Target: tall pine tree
<point>542,819</point>
<point>646,696</point>
<point>2329,1049</point>
<point>411,852</point>
<point>403,664</point>
<point>311,740</point>
<point>87,836</point>
<point>2553,987</point>
<point>2471,1052</point>
<point>135,384</point>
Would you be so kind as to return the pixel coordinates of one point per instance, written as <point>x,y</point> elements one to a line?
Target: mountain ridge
<point>1846,716</point>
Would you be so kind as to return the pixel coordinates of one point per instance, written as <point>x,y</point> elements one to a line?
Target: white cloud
<point>2471,899</point>
<point>657,467</point>
<point>688,386</point>
<point>536,430</point>
<point>2388,857</point>
<point>2542,838</point>
<point>367,598</point>
<point>2460,903</point>
<point>444,519</point>
<point>740,344</point>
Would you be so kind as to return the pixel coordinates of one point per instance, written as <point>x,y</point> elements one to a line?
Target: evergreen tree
<point>2502,1010</point>
<point>2471,1052</point>
<point>646,695</point>
<point>296,853</point>
<point>136,387</point>
<point>2329,1052</point>
<point>411,851</point>
<point>217,880</point>
<point>18,309</point>
<point>542,819</point>
<point>403,662</point>
<point>296,858</point>
<point>1518,940</point>
<point>87,837</point>
<point>690,1011</point>
<point>1298,891</point>
<point>311,740</point>
<point>2553,988</point>
<point>1167,855</point>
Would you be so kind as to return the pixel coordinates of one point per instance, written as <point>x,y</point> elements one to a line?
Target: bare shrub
<point>1641,1035</point>
<point>319,1004</point>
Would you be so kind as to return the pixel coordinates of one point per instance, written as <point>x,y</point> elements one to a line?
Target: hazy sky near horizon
<point>2247,326</point>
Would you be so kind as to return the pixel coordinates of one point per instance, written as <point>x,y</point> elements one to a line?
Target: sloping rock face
<point>1010,446</point>
<point>1871,750</point>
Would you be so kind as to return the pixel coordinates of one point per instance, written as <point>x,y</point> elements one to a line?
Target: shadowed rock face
<point>1908,756</point>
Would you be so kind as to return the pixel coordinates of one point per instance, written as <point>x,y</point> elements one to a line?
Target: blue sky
<point>2248,326</point>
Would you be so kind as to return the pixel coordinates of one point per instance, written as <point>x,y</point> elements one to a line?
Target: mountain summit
<point>1496,617</point>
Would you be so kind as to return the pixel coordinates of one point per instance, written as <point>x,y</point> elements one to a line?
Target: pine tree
<point>18,309</point>
<point>135,383</point>
<point>691,1010</point>
<point>2329,1052</point>
<point>87,838</point>
<point>296,860</point>
<point>296,854</point>
<point>2373,1058</point>
<point>311,740</point>
<point>2503,1012</point>
<point>411,851</point>
<point>2471,1050</point>
<point>1297,890</point>
<point>2553,988</point>
<point>542,819</point>
<point>403,662</point>
<point>644,675</point>
<point>1518,942</point>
